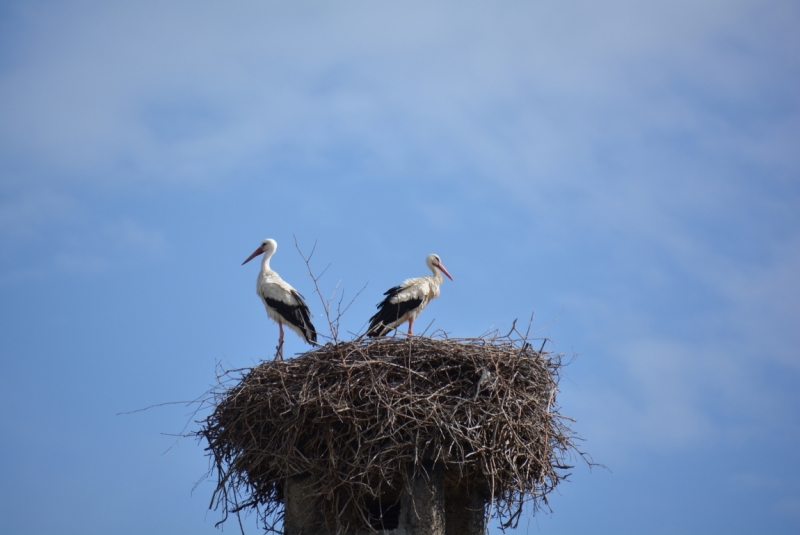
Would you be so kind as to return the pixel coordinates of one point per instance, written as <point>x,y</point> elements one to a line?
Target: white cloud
<point>29,212</point>
<point>755,481</point>
<point>128,234</point>
<point>702,378</point>
<point>654,403</point>
<point>81,263</point>
<point>81,249</point>
<point>667,130</point>
<point>510,91</point>
<point>94,250</point>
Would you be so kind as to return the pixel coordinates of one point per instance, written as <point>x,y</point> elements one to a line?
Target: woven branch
<point>358,420</point>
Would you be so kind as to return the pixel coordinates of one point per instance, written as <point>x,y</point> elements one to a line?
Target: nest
<point>359,419</point>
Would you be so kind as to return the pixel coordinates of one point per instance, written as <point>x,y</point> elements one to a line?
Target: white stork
<point>405,302</point>
<point>283,303</point>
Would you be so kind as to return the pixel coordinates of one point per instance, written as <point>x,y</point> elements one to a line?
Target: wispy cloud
<point>26,213</point>
<point>640,159</point>
<point>81,263</point>
<point>128,234</point>
<point>529,95</point>
<point>699,377</point>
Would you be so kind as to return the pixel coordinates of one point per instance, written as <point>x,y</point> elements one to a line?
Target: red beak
<point>444,270</point>
<point>252,256</point>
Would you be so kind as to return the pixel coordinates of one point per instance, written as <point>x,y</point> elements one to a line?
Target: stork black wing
<point>388,312</point>
<point>298,315</point>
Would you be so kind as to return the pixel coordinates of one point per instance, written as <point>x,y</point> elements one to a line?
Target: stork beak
<point>444,270</point>
<point>252,256</point>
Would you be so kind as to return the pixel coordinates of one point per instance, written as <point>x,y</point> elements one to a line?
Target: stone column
<point>422,510</point>
<point>465,510</point>
<point>300,517</point>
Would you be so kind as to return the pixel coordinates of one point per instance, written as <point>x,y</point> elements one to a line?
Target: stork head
<point>268,247</point>
<point>434,263</point>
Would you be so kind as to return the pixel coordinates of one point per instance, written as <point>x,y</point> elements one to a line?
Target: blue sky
<point>627,171</point>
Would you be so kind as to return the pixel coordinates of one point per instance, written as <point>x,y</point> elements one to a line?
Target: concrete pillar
<point>465,510</point>
<point>300,516</point>
<point>423,511</point>
<point>430,508</point>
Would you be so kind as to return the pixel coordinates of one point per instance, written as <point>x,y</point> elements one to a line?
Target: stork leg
<point>410,325</point>
<point>279,354</point>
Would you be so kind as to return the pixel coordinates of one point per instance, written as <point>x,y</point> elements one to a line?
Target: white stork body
<point>283,303</point>
<point>406,301</point>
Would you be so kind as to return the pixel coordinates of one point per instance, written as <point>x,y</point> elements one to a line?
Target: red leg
<point>410,325</point>
<point>280,339</point>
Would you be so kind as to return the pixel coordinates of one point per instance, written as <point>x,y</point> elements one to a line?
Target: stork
<point>283,303</point>
<point>405,302</point>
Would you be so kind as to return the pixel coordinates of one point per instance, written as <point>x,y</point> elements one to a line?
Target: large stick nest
<point>360,418</point>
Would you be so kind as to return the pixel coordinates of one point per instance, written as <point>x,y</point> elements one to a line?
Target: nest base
<point>416,435</point>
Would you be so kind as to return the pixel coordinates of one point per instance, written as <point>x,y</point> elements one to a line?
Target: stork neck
<point>437,274</point>
<point>265,262</point>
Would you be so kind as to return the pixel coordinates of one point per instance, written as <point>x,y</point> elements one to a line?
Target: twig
<point>325,306</point>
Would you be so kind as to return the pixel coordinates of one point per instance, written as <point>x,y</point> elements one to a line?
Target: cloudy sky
<point>628,172</point>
